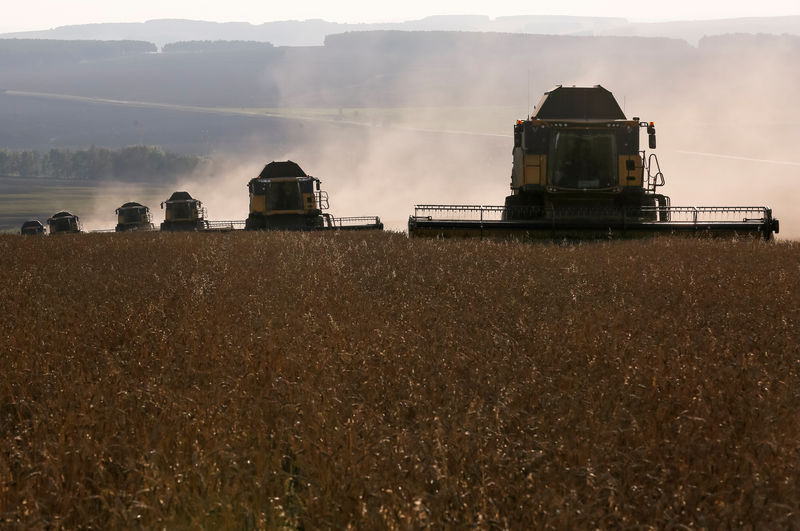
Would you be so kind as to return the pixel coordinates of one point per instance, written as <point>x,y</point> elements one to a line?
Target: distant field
<point>369,381</point>
<point>469,119</point>
<point>41,122</point>
<point>478,120</point>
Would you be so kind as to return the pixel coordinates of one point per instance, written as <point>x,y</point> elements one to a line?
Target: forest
<point>34,54</point>
<point>131,164</point>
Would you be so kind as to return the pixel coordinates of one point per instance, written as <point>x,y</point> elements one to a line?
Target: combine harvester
<point>284,197</point>
<point>64,223</point>
<point>133,216</point>
<point>32,227</point>
<point>578,173</point>
<point>182,212</point>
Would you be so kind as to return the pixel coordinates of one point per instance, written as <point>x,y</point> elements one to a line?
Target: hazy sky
<point>44,14</point>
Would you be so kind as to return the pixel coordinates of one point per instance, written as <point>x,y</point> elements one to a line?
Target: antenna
<point>529,94</point>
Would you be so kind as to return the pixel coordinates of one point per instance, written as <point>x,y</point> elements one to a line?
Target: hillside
<point>31,55</point>
<point>392,68</point>
<point>329,381</point>
<point>313,32</point>
<point>427,68</point>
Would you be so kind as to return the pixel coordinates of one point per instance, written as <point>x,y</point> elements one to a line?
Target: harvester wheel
<point>523,206</point>
<point>255,223</point>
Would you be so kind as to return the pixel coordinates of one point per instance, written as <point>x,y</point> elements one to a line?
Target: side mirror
<point>651,135</point>
<point>317,182</point>
<point>518,135</point>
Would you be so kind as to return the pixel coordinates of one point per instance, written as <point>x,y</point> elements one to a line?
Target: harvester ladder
<point>654,176</point>
<point>322,200</point>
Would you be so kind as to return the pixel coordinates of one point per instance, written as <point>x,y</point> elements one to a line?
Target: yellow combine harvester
<point>63,223</point>
<point>32,227</point>
<point>284,197</point>
<point>133,216</point>
<point>182,212</point>
<point>578,172</point>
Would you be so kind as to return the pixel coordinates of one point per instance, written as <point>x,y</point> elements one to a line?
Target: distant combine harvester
<point>32,227</point>
<point>282,197</point>
<point>133,216</point>
<point>64,223</point>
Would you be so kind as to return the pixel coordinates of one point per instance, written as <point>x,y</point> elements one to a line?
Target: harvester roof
<point>277,169</point>
<point>180,196</point>
<point>578,103</point>
<point>63,214</point>
<point>131,204</point>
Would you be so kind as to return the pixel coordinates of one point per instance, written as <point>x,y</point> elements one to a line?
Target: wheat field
<point>368,381</point>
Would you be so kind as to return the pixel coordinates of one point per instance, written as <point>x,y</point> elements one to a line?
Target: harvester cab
<point>578,172</point>
<point>133,216</point>
<point>182,212</point>
<point>32,227</point>
<point>64,222</point>
<point>578,156</point>
<point>284,197</point>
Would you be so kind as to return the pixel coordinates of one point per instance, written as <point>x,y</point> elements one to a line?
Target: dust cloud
<point>385,171</point>
<point>725,138</point>
<point>107,197</point>
<point>730,165</point>
<point>370,171</point>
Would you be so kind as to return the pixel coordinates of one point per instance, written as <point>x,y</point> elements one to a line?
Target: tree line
<point>34,54</point>
<point>215,46</point>
<point>135,163</point>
